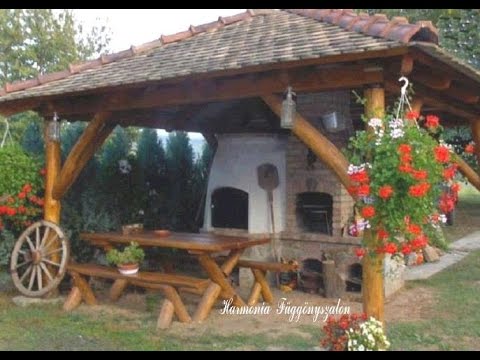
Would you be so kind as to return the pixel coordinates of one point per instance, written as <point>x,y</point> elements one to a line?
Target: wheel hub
<point>36,257</point>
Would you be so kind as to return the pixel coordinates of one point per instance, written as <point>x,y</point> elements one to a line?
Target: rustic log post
<point>53,160</point>
<point>265,288</point>
<point>331,280</point>
<point>85,290</point>
<point>372,269</point>
<point>326,151</point>
<point>254,294</point>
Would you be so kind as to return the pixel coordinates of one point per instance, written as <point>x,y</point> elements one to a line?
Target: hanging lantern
<point>288,110</point>
<point>54,128</point>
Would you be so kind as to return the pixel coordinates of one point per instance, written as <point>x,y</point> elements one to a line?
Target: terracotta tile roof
<point>251,38</point>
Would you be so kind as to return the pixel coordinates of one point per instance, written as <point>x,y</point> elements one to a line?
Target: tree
<point>202,170</point>
<point>180,170</point>
<point>152,182</point>
<point>37,41</point>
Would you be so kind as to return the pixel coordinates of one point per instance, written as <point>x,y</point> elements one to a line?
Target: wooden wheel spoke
<point>29,242</point>
<point>23,263</point>
<point>25,274</point>
<point>39,277</point>
<point>51,241</point>
<point>32,277</point>
<point>53,251</point>
<point>37,238</point>
<point>51,262</point>
<point>46,271</point>
<point>45,236</point>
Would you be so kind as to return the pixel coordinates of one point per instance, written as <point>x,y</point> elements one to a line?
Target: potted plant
<point>127,260</point>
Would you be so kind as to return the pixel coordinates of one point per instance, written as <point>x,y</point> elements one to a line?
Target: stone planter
<point>128,269</point>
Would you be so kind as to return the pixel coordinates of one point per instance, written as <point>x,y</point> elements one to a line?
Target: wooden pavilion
<point>191,80</point>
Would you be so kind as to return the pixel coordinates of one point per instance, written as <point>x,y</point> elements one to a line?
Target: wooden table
<point>203,246</point>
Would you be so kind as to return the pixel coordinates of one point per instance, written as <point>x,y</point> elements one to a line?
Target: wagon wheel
<point>39,259</point>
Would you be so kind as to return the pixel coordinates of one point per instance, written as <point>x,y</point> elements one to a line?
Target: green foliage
<point>7,241</point>
<point>16,170</point>
<point>131,254</point>
<point>180,170</point>
<point>34,41</point>
<point>32,139</point>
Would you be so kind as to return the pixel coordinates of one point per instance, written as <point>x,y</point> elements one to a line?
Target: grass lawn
<point>453,322</point>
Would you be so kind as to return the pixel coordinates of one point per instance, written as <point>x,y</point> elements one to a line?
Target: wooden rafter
<point>89,142</point>
<point>244,86</point>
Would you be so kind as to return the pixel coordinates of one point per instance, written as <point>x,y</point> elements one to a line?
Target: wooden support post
<point>331,280</point>
<point>74,299</point>
<point>372,270</point>
<point>117,289</point>
<point>475,126</point>
<point>53,160</point>
<point>180,310</point>
<point>326,151</point>
<point>213,290</point>
<point>265,288</point>
<point>89,142</point>
<point>166,315</point>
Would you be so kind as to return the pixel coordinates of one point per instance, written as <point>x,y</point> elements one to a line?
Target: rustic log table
<point>201,245</point>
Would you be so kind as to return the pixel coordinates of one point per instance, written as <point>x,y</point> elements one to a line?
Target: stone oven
<point>311,208</point>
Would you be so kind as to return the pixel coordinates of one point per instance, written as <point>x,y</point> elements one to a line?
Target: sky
<point>137,26</point>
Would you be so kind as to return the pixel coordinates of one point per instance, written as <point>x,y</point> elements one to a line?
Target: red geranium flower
<point>359,252</point>
<point>470,148</point>
<point>432,121</point>
<point>405,158</point>
<point>406,249</point>
<point>447,203</point>
<point>363,190</point>
<point>404,149</point>
<point>352,190</point>
<point>455,187</point>
<point>414,229</point>
<point>420,174</point>
<point>27,188</point>
<point>382,234</point>
<point>391,248</point>
<point>22,195</point>
<point>406,168</point>
<point>43,172</point>
<point>449,172</point>
<point>368,212</point>
<point>361,176</point>
<point>442,154</point>
<point>385,192</point>
<point>412,115</point>
<point>419,190</point>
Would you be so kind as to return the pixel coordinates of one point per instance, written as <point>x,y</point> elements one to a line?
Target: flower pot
<point>128,269</point>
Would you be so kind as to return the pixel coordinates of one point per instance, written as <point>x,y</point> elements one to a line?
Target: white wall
<point>235,165</point>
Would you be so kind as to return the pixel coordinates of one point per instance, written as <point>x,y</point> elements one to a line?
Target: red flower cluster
<point>385,192</point>
<point>368,212</point>
<point>419,190</point>
<point>336,338</point>
<point>442,154</point>
<point>20,210</point>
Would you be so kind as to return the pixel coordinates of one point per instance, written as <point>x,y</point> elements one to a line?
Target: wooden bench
<point>259,270</point>
<point>166,283</point>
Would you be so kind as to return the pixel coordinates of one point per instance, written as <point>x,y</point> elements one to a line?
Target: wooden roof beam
<point>251,85</point>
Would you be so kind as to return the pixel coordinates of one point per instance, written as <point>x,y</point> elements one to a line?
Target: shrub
<point>336,337</point>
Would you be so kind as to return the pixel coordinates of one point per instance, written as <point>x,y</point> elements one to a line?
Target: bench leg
<point>85,290</point>
<point>254,294</point>
<point>213,290</point>
<point>266,292</point>
<point>117,289</point>
<point>180,310</point>
<point>73,300</point>
<point>166,315</point>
